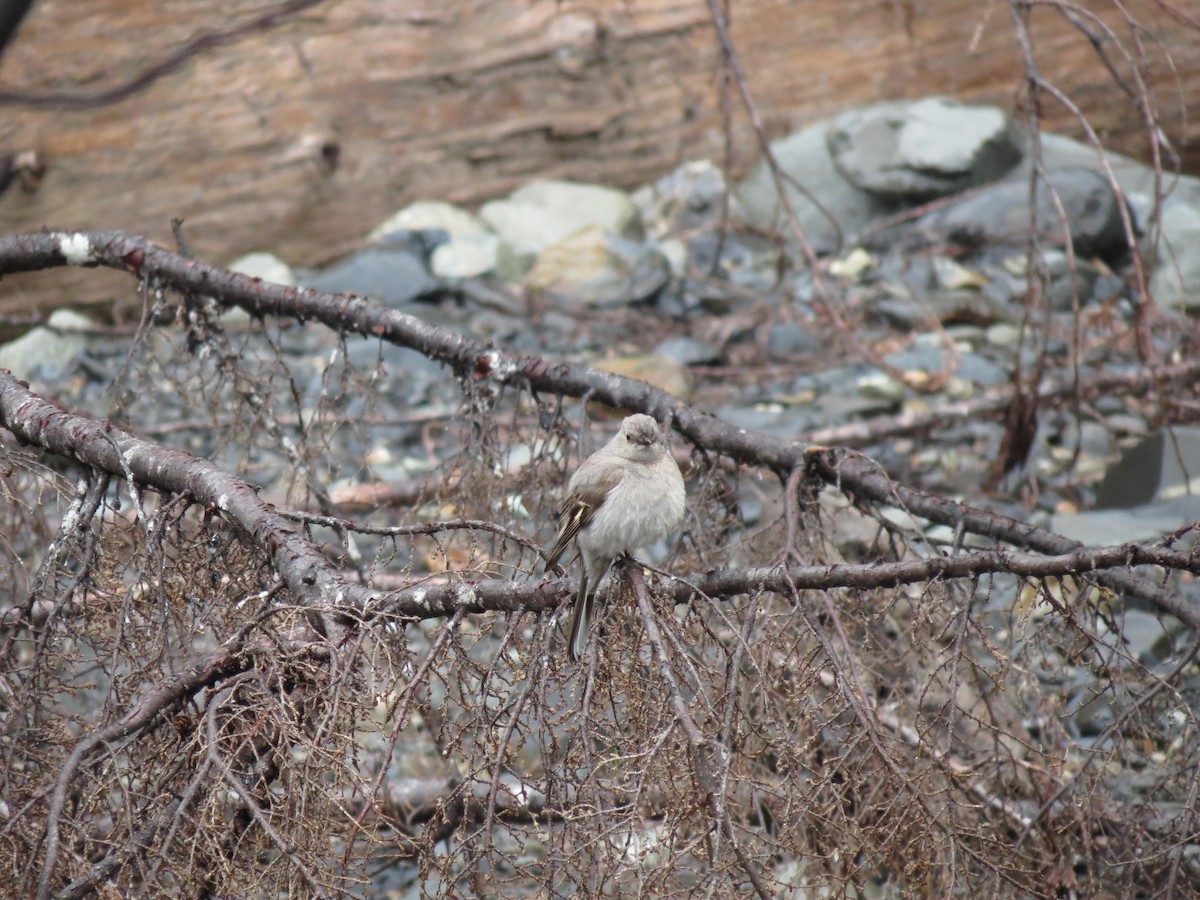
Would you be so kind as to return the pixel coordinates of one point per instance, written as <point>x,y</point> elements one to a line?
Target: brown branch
<point>300,563</point>
<point>249,802</point>
<point>995,403</point>
<point>221,663</point>
<point>867,482</point>
<point>12,12</point>
<point>358,315</point>
<point>431,600</point>
<point>167,66</point>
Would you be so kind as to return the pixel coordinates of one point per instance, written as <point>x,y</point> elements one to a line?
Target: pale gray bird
<point>627,494</point>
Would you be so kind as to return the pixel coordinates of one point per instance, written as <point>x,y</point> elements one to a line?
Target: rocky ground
<point>919,218</point>
<point>909,275</point>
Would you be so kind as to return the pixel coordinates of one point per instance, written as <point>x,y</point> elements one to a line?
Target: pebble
<point>688,351</point>
<point>787,339</point>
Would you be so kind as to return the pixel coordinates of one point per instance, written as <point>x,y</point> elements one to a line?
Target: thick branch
<point>1096,564</point>
<point>358,315</point>
<point>170,64</point>
<point>300,563</point>
<point>995,403</point>
<point>868,482</point>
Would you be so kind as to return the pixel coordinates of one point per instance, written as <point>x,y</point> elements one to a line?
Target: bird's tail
<point>581,619</point>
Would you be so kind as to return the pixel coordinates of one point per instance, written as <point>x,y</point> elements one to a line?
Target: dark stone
<point>390,275</point>
<point>1160,466</point>
<point>1000,215</point>
<point>786,339</point>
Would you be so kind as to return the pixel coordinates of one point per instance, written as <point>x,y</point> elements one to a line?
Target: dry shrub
<point>904,741</point>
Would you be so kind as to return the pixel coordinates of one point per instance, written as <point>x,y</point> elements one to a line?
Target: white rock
<point>266,266</point>
<point>543,213</point>
<point>470,256</point>
<point>432,215</point>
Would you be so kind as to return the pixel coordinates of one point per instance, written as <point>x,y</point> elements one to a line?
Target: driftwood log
<point>297,127</point>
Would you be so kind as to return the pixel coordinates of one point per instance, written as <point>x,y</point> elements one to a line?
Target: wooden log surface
<point>298,138</point>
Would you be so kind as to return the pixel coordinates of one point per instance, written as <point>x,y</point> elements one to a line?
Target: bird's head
<point>641,435</point>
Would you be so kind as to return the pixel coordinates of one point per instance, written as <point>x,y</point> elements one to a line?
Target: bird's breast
<point>638,511</point>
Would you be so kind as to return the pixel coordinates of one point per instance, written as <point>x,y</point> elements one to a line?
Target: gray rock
<point>932,360</point>
<point>835,407</point>
<point>787,339</point>
<point>1067,291</point>
<point>543,213</point>
<point>686,199</point>
<point>982,371</point>
<point>953,276</point>
<point>1061,152</point>
<point>1117,420</point>
<point>948,307</point>
<point>776,420</point>
<point>1090,711</point>
<point>1136,180</point>
<point>472,256</point>
<point>420,244</point>
<point>1162,466</point>
<point>918,150</point>
<point>468,250</point>
<point>391,275</point>
<point>804,160</point>
<point>404,375</point>
<point>1147,636</point>
<point>914,274</point>
<point>1003,334</point>
<point>965,337</point>
<point>1107,287</point>
<point>1175,279</point>
<point>1000,214</point>
<point>48,352</point>
<point>746,260</point>
<point>1175,273</point>
<point>878,386</point>
<point>1095,440</point>
<point>1105,527</point>
<point>688,351</point>
<point>903,312</point>
<point>675,252</point>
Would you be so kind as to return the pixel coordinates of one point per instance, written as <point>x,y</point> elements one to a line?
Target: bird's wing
<point>578,510</point>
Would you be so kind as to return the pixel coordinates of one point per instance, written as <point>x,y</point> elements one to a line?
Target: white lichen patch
<point>75,248</point>
<point>501,367</point>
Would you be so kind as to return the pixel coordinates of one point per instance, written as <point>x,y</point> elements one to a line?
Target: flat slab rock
<point>924,149</point>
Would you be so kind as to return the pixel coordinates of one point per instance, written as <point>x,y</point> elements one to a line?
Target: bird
<point>627,494</point>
